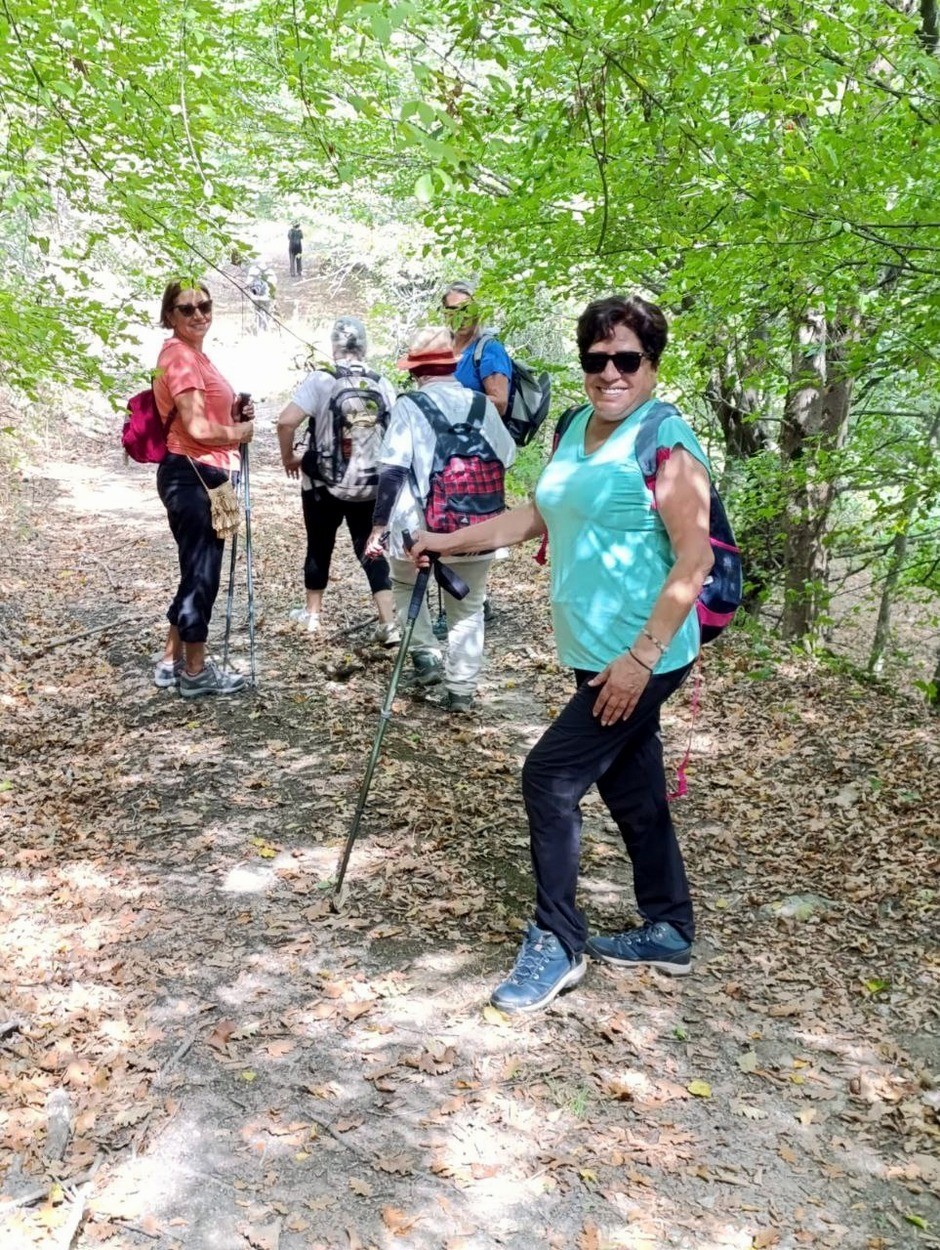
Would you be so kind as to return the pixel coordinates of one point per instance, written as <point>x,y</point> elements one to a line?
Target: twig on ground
<point>42,1191</point>
<point>175,1058</point>
<point>350,629</point>
<point>137,1228</point>
<point>101,564</point>
<point>365,1155</point>
<point>74,1222</point>
<point>85,633</point>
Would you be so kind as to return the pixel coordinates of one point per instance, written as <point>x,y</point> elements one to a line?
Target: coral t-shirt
<point>181,368</point>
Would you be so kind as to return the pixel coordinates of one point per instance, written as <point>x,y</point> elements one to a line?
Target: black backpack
<point>467,477</point>
<point>343,447</point>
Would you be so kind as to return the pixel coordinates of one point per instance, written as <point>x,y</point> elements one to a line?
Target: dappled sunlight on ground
<point>247,1067</point>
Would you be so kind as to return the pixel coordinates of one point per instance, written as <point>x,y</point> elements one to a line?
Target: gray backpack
<point>344,445</point>
<point>529,396</point>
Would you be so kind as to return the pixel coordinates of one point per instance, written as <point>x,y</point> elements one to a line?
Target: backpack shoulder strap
<point>477,410</point>
<point>478,349</point>
<point>426,405</point>
<point>565,421</point>
<point>436,418</point>
<point>646,436</point>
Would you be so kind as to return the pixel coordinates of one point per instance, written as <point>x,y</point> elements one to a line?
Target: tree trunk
<point>933,693</point>
<point>815,422</point>
<point>929,25</point>
<point>883,624</point>
<point>735,405</point>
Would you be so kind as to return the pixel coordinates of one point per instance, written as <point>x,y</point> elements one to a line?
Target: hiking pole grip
<point>445,576</point>
<point>421,581</point>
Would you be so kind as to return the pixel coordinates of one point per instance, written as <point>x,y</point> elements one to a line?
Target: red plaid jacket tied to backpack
<point>467,476</point>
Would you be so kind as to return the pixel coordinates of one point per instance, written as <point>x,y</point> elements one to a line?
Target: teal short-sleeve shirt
<point>610,553</point>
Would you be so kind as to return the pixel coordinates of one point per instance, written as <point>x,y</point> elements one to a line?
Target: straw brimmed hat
<point>431,348</point>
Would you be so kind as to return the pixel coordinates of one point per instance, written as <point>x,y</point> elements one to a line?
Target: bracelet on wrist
<point>637,660</point>
<point>661,646</point>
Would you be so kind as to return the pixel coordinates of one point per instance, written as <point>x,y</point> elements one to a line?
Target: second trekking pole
<point>230,598</point>
<point>246,482</point>
<point>458,589</point>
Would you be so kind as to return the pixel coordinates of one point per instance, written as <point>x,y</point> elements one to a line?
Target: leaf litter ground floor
<point>243,1068</point>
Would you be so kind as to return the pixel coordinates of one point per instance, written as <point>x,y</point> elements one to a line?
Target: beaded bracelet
<point>638,660</point>
<point>655,641</point>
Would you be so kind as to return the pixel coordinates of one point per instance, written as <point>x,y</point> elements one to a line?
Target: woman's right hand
<point>246,431</point>
<point>425,541</point>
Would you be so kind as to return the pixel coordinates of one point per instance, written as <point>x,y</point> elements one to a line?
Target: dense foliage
<point>767,173</point>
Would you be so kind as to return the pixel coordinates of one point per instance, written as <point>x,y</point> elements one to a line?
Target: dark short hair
<point>647,322</point>
<point>169,298</point>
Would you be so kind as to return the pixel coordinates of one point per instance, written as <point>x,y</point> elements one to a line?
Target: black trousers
<point>199,550</point>
<point>323,515</point>
<point>625,760</point>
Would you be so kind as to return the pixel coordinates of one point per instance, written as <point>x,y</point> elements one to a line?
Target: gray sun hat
<point>349,335</point>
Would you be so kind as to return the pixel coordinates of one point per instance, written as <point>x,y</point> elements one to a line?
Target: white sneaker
<point>387,633</point>
<point>310,621</point>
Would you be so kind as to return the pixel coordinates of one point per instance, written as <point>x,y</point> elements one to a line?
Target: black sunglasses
<point>189,310</point>
<point>624,362</point>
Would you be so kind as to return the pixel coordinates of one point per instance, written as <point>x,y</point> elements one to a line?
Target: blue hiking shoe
<point>654,945</point>
<point>542,971</point>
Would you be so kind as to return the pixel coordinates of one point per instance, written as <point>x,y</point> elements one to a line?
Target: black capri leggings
<point>200,551</point>
<point>323,515</point>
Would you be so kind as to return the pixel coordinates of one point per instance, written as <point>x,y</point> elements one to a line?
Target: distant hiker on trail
<point>261,291</point>
<point>347,409</point>
<point>443,465</point>
<point>492,373</point>
<point>295,247</point>
<point>624,581</point>
<point>206,429</point>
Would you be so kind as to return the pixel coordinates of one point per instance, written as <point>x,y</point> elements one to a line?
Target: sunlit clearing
<point>248,880</point>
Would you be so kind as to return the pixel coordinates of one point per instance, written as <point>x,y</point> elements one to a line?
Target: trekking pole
<point>439,628</point>
<point>246,478</point>
<point>458,589</point>
<point>229,601</point>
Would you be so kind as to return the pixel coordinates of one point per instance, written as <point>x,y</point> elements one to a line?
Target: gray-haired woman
<point>347,410</point>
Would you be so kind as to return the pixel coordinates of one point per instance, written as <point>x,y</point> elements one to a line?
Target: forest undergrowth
<point>195,1052</point>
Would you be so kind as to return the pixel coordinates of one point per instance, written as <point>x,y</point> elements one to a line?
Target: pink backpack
<point>144,434</point>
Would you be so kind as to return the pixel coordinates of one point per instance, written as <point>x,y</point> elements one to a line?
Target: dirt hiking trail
<point>196,1053</point>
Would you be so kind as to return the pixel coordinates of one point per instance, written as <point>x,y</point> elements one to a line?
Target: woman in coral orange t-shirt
<point>205,430</point>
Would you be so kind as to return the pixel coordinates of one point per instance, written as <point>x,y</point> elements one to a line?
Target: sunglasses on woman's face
<point>190,310</point>
<point>624,362</point>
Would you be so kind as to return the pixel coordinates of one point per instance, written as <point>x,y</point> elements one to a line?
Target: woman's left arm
<point>682,499</point>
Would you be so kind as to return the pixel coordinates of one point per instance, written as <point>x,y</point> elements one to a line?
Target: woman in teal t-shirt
<point>626,570</point>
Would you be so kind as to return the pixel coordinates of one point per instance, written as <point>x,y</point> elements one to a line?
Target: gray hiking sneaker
<point>212,680</point>
<point>653,945</point>
<point>429,671</point>
<point>452,702</point>
<point>387,633</point>
<point>166,673</point>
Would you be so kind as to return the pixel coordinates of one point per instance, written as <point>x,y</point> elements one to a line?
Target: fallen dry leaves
<point>175,972</point>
